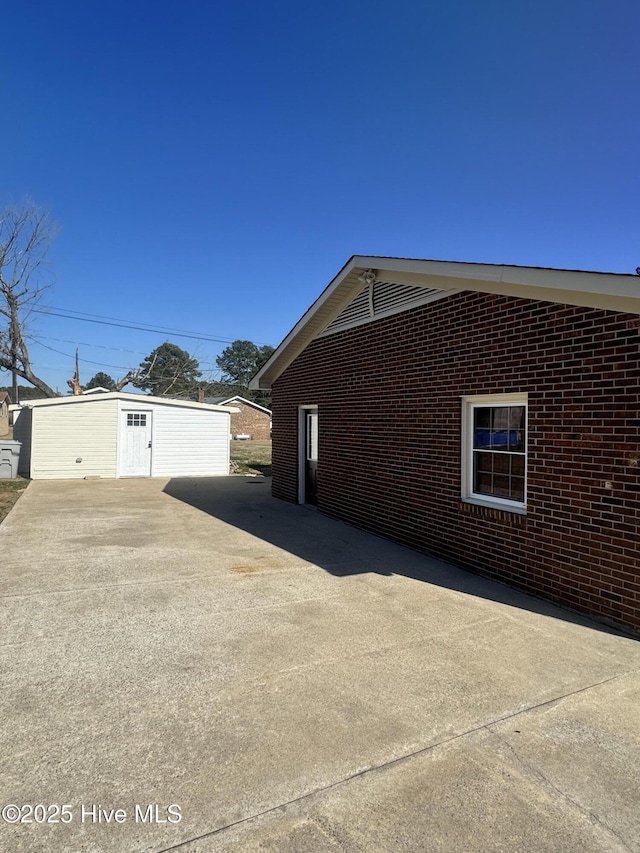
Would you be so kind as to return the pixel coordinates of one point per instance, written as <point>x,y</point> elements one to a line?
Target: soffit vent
<point>381,299</point>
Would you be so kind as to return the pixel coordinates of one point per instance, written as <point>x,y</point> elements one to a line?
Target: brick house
<point>251,420</point>
<point>484,414</point>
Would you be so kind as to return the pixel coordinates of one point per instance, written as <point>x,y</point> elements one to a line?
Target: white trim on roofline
<point>611,291</point>
<point>248,402</point>
<point>139,399</point>
<point>608,291</point>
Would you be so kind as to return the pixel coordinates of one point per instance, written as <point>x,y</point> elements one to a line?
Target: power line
<point>120,320</point>
<point>38,338</point>
<point>100,363</point>
<point>83,360</point>
<point>70,314</point>
<point>134,327</point>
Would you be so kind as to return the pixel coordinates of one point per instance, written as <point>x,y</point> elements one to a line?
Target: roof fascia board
<point>322,299</point>
<point>607,291</point>
<point>572,283</point>
<point>278,361</point>
<point>140,399</point>
<point>248,402</point>
<point>587,297</point>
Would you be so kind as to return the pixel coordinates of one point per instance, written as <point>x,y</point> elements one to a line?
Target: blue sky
<point>212,165</point>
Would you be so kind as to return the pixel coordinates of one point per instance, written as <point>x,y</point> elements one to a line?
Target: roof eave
<point>140,399</point>
<point>608,291</point>
<point>327,306</point>
<point>248,402</point>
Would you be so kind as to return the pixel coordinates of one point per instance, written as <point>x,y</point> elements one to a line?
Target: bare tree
<point>74,382</point>
<point>132,377</point>
<point>26,233</point>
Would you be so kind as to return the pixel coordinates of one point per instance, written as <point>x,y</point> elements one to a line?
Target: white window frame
<point>469,404</point>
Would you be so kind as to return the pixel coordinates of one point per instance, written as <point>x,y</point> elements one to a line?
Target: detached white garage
<point>122,435</point>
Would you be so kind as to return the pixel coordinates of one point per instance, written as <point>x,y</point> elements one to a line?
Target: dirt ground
<point>10,491</point>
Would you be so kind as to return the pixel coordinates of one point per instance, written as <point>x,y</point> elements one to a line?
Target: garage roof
<point>130,398</point>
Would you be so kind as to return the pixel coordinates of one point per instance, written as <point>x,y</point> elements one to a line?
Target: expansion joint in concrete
<point>532,771</point>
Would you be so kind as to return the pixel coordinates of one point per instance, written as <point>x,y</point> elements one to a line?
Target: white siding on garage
<point>76,437</point>
<point>188,442</point>
<point>63,434</point>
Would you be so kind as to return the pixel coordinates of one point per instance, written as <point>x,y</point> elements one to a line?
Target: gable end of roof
<point>347,295</point>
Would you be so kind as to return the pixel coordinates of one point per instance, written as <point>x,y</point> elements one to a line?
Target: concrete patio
<point>293,684</point>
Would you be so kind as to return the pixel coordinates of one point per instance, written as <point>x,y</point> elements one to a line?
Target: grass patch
<point>10,491</point>
<point>251,457</point>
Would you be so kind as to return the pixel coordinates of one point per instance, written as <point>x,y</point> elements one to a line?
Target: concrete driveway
<point>292,684</point>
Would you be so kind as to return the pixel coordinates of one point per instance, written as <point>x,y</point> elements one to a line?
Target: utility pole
<point>13,334</point>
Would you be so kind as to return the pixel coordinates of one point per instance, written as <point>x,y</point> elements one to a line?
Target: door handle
<point>149,445</point>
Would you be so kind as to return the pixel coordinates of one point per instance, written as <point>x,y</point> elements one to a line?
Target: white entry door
<point>135,444</point>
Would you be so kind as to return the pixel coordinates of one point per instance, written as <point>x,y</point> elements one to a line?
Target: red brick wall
<point>250,421</point>
<point>388,395</point>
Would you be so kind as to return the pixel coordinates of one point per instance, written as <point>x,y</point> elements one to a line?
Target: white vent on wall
<point>381,299</point>
<point>388,296</point>
<point>355,312</point>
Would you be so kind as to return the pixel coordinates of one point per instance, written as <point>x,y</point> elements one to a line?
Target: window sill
<point>497,508</point>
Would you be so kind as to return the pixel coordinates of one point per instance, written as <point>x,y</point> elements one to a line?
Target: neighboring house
<point>5,401</point>
<point>250,421</point>
<point>14,412</point>
<point>115,434</point>
<point>485,414</point>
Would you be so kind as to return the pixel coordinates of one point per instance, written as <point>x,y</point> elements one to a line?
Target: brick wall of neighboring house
<point>250,421</point>
<point>389,403</point>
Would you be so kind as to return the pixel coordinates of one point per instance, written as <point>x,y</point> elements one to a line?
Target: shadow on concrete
<point>245,502</point>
